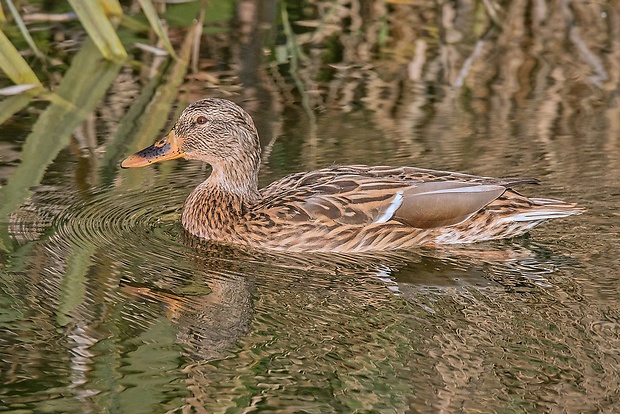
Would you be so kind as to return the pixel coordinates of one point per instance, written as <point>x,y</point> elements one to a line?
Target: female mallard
<point>345,209</point>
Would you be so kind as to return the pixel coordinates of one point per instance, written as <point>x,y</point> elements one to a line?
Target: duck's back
<point>360,208</point>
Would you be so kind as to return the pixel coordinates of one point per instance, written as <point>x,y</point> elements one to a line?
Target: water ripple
<point>104,220</point>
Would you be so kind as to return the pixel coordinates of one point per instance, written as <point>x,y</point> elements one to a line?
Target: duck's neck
<point>237,179</point>
<point>216,206</point>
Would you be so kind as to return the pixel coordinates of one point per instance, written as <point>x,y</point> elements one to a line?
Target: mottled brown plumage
<point>345,209</point>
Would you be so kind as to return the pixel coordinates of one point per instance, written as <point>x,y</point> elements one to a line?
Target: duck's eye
<point>201,120</point>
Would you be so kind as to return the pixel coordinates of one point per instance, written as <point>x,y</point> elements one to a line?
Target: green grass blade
<point>13,104</point>
<point>134,25</point>
<point>92,16</point>
<point>112,8</point>
<point>24,30</point>
<point>14,65</point>
<point>153,18</point>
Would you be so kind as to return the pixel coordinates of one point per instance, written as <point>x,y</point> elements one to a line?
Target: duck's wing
<point>438,204</point>
<point>400,174</point>
<point>418,198</point>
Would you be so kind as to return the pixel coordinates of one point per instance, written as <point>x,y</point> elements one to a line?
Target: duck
<point>352,208</point>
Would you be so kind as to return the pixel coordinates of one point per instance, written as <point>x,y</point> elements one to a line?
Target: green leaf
<point>112,8</point>
<point>14,65</point>
<point>92,16</point>
<point>13,104</point>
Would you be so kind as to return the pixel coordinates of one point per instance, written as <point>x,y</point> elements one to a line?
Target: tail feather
<point>546,208</point>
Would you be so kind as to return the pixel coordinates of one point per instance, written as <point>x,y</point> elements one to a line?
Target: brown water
<point>106,305</point>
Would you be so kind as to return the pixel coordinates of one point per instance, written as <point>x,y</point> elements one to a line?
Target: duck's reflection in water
<point>214,308</point>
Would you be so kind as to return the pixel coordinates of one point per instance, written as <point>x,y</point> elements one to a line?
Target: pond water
<point>106,305</point>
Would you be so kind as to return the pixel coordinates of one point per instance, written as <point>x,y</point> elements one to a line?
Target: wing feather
<point>445,207</point>
<point>361,195</point>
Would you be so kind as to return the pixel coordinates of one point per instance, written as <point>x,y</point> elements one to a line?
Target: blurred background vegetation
<point>316,51</point>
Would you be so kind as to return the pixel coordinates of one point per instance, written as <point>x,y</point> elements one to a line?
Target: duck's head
<point>216,131</point>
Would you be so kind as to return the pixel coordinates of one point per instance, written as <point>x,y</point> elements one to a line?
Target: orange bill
<point>167,148</point>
